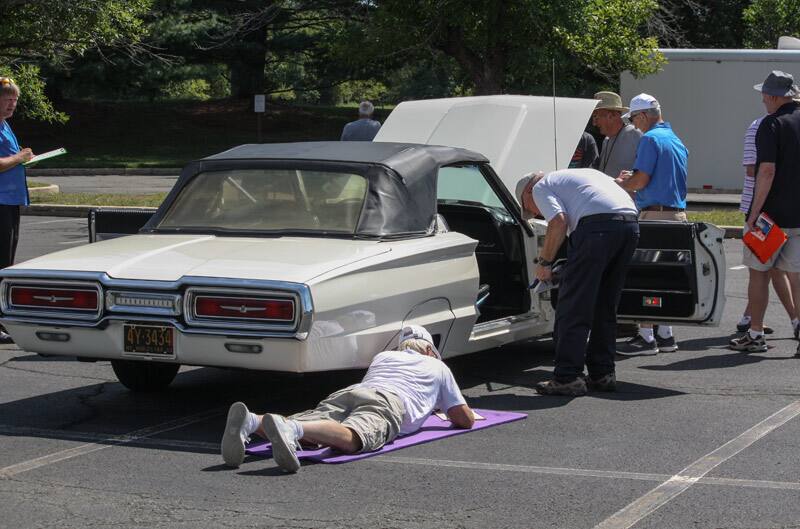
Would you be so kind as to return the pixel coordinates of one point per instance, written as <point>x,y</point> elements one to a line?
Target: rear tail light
<point>54,298</point>
<point>245,308</point>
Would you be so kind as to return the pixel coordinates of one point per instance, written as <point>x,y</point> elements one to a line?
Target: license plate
<point>149,339</point>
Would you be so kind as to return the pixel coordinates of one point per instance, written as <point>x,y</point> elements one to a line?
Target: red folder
<point>765,239</point>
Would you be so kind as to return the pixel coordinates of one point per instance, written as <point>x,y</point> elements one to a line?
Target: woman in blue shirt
<point>13,187</point>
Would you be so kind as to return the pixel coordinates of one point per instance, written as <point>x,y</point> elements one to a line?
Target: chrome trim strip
<point>656,291</point>
<point>661,257</point>
<point>45,312</point>
<point>175,299</point>
<point>301,292</point>
<point>147,320</point>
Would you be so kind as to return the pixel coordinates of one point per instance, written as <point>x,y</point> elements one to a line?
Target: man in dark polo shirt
<point>777,193</point>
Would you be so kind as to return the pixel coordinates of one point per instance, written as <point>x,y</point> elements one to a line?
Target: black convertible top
<point>401,157</point>
<point>401,196</point>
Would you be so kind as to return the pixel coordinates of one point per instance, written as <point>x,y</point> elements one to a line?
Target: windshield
<point>269,200</point>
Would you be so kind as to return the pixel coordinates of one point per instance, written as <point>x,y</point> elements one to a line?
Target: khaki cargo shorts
<point>374,415</point>
<point>786,259</point>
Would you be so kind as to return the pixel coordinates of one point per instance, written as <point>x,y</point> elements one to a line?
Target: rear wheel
<point>144,376</point>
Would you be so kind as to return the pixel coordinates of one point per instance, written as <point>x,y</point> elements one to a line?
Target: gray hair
<point>653,112</point>
<point>415,344</point>
<point>366,109</point>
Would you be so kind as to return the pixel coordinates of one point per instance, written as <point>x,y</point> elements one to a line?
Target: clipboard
<point>46,155</point>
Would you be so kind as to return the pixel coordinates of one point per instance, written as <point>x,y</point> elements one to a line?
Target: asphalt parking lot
<point>703,437</point>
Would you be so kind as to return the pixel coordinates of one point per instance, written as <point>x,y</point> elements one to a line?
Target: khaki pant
<point>374,415</point>
<point>663,215</point>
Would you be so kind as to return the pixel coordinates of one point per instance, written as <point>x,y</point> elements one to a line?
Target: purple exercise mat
<point>432,429</point>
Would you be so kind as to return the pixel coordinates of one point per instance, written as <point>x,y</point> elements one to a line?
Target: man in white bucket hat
<point>400,390</point>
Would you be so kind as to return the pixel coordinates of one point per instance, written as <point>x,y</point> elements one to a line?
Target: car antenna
<point>555,129</point>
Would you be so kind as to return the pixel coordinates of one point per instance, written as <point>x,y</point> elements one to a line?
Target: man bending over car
<point>400,390</point>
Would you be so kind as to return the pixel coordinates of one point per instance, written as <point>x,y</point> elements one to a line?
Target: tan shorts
<point>663,215</point>
<point>786,259</point>
<point>374,415</point>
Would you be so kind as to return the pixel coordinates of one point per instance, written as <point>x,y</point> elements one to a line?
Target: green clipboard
<point>46,155</point>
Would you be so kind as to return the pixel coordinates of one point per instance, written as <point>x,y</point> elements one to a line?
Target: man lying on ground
<point>400,390</point>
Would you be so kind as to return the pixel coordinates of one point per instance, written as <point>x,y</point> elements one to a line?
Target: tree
<point>767,20</point>
<point>508,46</point>
<point>54,30</point>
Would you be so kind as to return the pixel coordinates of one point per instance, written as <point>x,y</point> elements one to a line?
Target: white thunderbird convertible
<point>308,257</point>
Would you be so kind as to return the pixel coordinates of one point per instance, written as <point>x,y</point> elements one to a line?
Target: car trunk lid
<point>170,257</point>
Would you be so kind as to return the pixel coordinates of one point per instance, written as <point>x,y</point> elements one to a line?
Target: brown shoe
<point>574,388</point>
<point>604,383</point>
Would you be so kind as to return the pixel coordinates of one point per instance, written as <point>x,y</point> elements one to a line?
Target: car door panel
<point>676,275</point>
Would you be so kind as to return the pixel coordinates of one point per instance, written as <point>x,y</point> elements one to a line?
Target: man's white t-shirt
<point>578,193</point>
<point>422,383</point>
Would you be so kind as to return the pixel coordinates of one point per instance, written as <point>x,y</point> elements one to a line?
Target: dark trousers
<point>9,234</point>
<point>598,255</point>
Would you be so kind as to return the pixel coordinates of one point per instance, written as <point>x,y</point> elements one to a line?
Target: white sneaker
<point>235,436</point>
<point>284,442</point>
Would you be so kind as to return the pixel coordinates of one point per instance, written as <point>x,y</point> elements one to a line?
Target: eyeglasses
<point>631,116</point>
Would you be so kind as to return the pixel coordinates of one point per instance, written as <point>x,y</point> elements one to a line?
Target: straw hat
<point>609,101</point>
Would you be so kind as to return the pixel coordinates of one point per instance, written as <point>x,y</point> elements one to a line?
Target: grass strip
<point>720,217</point>
<point>94,199</point>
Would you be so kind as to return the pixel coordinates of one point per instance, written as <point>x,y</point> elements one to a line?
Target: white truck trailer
<point>708,97</point>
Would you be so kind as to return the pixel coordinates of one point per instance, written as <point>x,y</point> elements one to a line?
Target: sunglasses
<point>630,118</point>
<point>6,81</point>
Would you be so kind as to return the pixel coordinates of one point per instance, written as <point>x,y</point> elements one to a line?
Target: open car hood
<point>170,257</point>
<point>516,133</point>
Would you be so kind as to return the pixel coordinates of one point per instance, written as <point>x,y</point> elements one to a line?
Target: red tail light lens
<point>54,298</point>
<point>263,309</point>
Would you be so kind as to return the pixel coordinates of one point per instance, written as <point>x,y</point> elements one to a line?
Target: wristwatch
<point>544,262</point>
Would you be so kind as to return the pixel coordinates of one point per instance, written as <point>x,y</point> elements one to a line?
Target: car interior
<point>470,206</point>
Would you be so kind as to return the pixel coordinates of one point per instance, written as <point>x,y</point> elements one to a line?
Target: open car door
<point>677,275</point>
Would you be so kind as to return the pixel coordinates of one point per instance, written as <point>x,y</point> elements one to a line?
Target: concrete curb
<point>51,189</point>
<point>159,171</point>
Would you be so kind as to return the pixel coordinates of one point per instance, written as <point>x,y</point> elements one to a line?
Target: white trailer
<point>708,97</point>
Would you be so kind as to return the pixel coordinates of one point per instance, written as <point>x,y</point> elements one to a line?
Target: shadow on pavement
<point>720,361</point>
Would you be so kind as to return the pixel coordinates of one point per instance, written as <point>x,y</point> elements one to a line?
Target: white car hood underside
<point>170,257</point>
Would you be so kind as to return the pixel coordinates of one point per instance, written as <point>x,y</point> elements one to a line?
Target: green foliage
<point>33,103</point>
<point>357,91</point>
<point>767,20</point>
<point>507,46</point>
<point>54,29</point>
<point>50,31</point>
<point>610,41</point>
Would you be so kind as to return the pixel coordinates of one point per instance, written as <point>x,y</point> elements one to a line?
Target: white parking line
<point>102,438</point>
<point>106,442</point>
<point>82,241</point>
<point>580,472</point>
<point>653,500</point>
<point>737,267</point>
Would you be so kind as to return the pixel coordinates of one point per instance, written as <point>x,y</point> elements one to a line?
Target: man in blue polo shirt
<point>659,181</point>
<point>13,187</point>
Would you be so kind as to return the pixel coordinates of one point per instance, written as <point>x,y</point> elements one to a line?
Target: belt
<point>662,208</point>
<point>601,217</point>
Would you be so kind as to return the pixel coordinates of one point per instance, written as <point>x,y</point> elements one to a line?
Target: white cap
<point>641,102</point>
<point>418,332</point>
